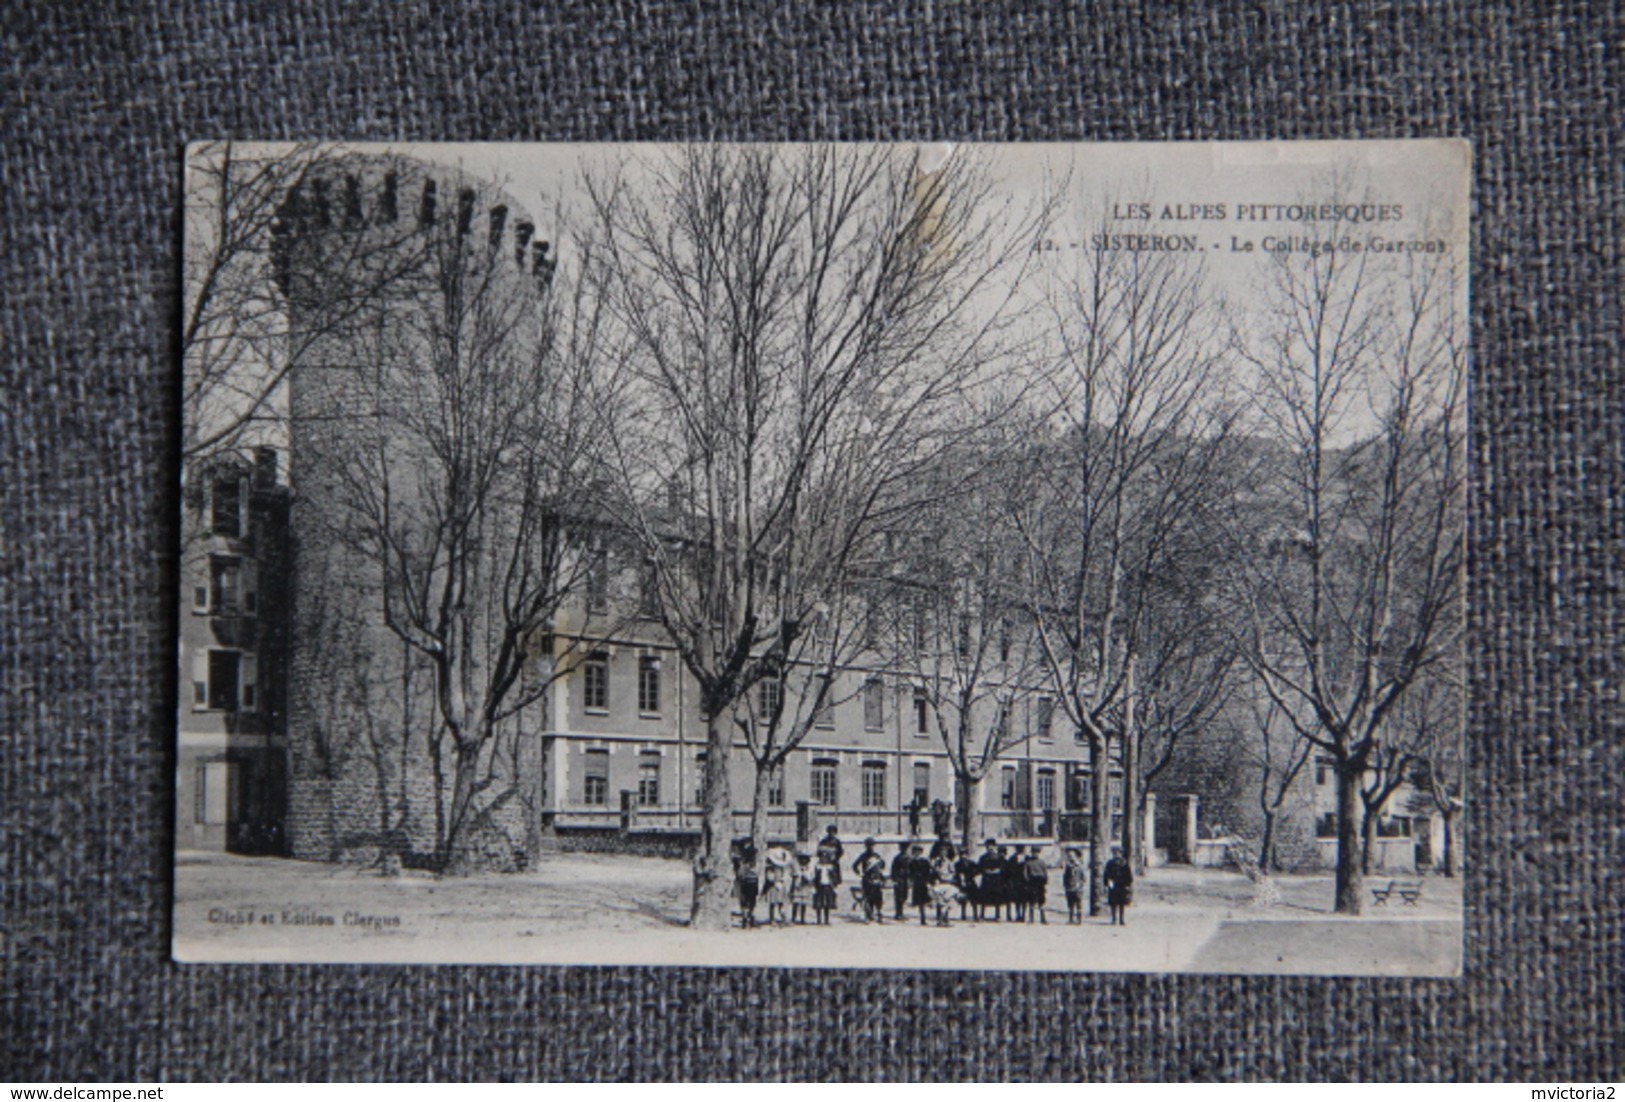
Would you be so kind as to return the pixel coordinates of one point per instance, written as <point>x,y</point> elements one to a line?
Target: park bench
<point>1409,890</point>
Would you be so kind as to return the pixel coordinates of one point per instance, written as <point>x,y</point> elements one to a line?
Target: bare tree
<point>1184,684</point>
<point>956,627</point>
<point>794,695</point>
<point>1391,764</point>
<point>1351,580</point>
<point>1279,755</point>
<point>453,443</point>
<point>1437,774</point>
<point>794,327</point>
<point>1141,433</point>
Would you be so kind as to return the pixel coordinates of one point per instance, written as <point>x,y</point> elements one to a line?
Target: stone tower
<point>381,261</point>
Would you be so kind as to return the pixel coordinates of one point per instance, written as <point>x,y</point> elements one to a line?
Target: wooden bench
<point>1408,890</point>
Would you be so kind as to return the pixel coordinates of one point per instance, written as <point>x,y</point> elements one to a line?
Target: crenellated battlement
<point>394,203</point>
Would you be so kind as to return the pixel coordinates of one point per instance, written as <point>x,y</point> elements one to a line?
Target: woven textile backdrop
<point>99,99</point>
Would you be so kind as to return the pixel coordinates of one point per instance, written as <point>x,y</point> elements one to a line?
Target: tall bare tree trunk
<point>1348,879</point>
<point>1100,820</point>
<point>458,858</point>
<point>1368,828</point>
<point>1133,844</point>
<point>970,822</point>
<point>713,867</point>
<point>1266,844</point>
<point>1449,844</point>
<point>758,814</point>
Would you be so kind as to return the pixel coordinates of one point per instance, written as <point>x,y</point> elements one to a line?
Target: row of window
<point>823,784</point>
<point>599,569</point>
<point>595,683</point>
<point>595,779</point>
<point>596,698</point>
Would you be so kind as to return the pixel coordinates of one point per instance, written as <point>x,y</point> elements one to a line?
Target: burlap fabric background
<point>98,101</point>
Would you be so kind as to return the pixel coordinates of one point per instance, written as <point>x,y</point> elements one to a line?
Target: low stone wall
<point>636,843</point>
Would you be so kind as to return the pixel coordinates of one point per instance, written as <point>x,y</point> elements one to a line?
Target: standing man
<point>899,879</point>
<point>1119,881</point>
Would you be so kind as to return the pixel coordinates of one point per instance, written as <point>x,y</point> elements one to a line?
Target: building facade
<point>233,657</point>
<point>620,746</point>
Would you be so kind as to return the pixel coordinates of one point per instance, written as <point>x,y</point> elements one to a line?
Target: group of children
<point>1008,882</point>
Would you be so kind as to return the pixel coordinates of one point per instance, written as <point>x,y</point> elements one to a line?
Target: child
<point>748,886</point>
<point>944,892</point>
<point>777,886</point>
<point>800,888</point>
<point>965,874</point>
<point>1015,884</point>
<point>1118,880</point>
<point>1037,885</point>
<point>825,876</point>
<point>871,870</point>
<point>1074,880</point>
<point>920,876</point>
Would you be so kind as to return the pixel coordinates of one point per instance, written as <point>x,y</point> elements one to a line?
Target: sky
<point>1223,200</point>
<point>1428,179</point>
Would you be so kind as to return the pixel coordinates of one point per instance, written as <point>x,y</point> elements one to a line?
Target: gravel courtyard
<point>592,909</point>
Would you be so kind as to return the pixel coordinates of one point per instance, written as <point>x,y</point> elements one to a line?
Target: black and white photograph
<point>887,556</point>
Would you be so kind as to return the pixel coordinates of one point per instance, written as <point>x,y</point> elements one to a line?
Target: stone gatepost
<point>1187,808</point>
<point>1148,831</point>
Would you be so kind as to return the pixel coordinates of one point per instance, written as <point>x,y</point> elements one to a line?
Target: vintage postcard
<point>862,556</point>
